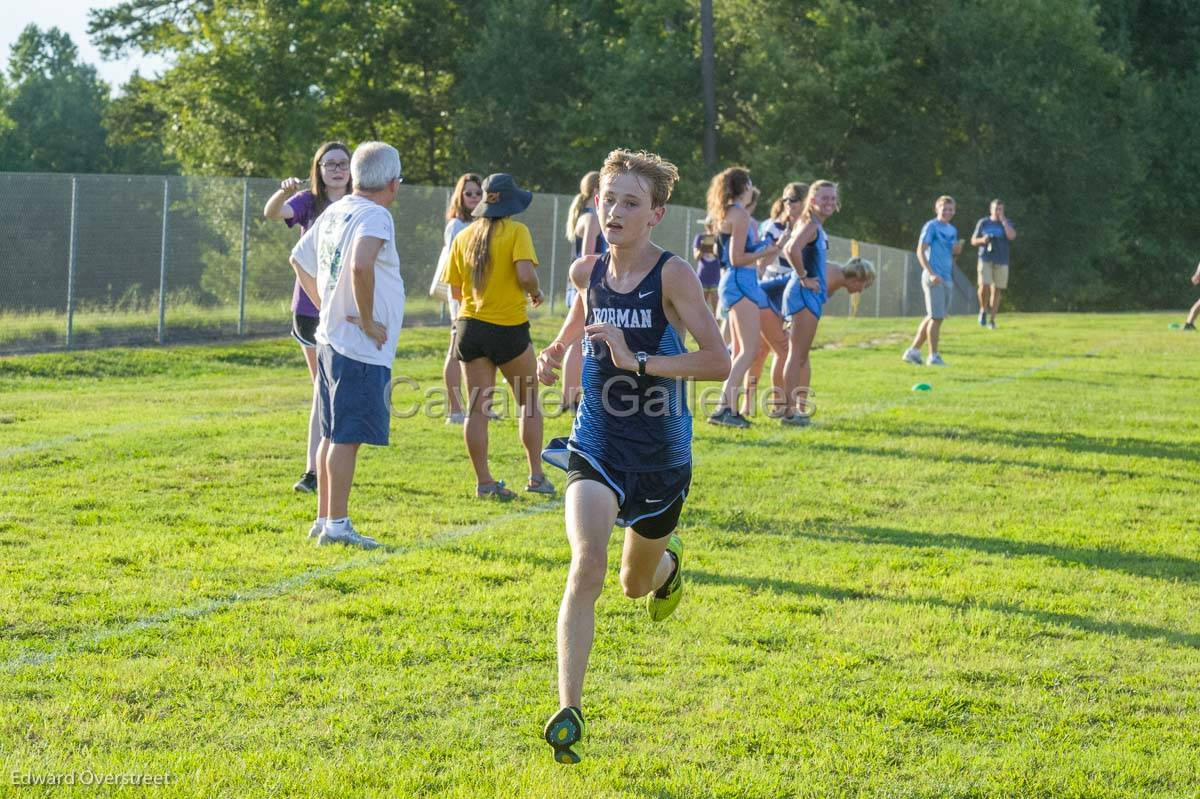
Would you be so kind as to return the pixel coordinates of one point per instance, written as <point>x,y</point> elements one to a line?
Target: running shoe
<point>314,532</point>
<point>983,318</point>
<point>727,418</point>
<point>306,484</point>
<point>936,360</point>
<point>456,417</point>
<point>796,420</point>
<point>912,355</point>
<point>346,536</point>
<point>662,603</point>
<point>992,324</point>
<point>564,730</point>
<point>1189,326</point>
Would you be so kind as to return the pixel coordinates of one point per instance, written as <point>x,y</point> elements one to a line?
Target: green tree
<point>54,106</point>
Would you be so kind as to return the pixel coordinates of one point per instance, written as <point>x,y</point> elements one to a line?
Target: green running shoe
<point>662,602</point>
<point>564,730</point>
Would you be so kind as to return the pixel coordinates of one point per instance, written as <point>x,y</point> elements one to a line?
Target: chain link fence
<point>105,260</point>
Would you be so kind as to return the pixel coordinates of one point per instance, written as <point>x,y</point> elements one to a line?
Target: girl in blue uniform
<point>805,295</point>
<point>728,193</point>
<point>583,231</point>
<point>784,213</point>
<point>629,458</point>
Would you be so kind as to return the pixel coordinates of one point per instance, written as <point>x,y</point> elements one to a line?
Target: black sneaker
<point>1189,326</point>
<point>307,484</point>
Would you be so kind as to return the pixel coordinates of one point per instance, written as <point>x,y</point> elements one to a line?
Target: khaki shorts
<point>990,273</point>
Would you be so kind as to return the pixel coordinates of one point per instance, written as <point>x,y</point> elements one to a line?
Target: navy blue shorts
<point>649,502</point>
<point>352,399</point>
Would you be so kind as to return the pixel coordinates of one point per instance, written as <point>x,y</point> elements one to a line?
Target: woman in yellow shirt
<point>491,272</point>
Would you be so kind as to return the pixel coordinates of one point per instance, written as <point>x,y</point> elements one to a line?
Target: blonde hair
<point>479,250</point>
<point>660,173</point>
<point>588,187</point>
<point>724,189</point>
<point>945,198</point>
<point>859,269</point>
<point>816,186</point>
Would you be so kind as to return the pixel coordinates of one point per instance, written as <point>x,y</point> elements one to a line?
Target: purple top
<point>304,213</point>
<point>709,268</point>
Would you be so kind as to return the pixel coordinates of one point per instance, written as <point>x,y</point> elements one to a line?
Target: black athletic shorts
<point>498,343</point>
<point>304,329</point>
<point>649,502</point>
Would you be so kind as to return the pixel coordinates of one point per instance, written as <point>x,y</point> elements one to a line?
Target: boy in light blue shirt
<point>936,249</point>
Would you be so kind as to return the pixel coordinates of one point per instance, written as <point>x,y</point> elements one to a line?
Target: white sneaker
<point>936,360</point>
<point>456,417</point>
<point>314,532</point>
<point>347,536</point>
<point>912,355</point>
<point>992,325</point>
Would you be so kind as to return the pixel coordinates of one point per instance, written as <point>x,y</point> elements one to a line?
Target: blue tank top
<point>752,246</point>
<point>814,255</point>
<point>601,242</point>
<point>626,422</point>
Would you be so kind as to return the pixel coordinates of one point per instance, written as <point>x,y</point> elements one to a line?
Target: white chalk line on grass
<point>273,590</point>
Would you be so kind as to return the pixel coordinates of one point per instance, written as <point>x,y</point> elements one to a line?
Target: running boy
<point>936,250</point>
<point>629,457</point>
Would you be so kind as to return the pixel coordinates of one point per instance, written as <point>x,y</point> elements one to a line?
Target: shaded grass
<point>987,590</point>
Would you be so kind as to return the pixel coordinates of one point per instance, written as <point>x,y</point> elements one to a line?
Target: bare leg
<point>935,329</point>
<point>744,318</point>
<point>323,478</point>
<point>452,376</point>
<point>798,371</point>
<point>996,292</point>
<point>777,339</point>
<point>480,378</point>
<point>1192,314</point>
<point>591,509</point>
<point>645,564</point>
<point>982,292</point>
<point>314,418</point>
<point>922,332</point>
<point>339,466</point>
<point>521,373</point>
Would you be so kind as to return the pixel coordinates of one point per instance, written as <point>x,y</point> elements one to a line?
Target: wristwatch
<point>641,359</point>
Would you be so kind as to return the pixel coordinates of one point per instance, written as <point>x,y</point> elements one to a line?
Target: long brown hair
<point>723,190</point>
<point>479,249</point>
<point>317,180</point>
<point>456,209</point>
<point>794,192</point>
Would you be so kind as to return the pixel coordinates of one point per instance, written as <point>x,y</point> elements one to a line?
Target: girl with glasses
<point>329,181</point>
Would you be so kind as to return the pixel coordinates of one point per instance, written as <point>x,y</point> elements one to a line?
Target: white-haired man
<point>348,265</point>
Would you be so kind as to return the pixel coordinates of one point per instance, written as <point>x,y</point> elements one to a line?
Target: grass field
<point>987,590</point>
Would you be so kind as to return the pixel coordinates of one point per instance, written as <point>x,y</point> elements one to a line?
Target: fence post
<point>71,262</point>
<point>554,255</point>
<point>245,248</point>
<point>686,252</point>
<point>904,295</point>
<point>162,263</point>
<point>444,308</point>
<point>878,278</point>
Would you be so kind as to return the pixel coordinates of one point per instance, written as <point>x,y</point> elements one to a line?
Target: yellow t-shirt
<point>503,301</point>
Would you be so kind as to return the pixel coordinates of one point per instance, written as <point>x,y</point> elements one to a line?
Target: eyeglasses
<point>335,166</point>
<point>472,194</point>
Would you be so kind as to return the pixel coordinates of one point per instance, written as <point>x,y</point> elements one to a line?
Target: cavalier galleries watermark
<point>620,396</point>
<point>87,777</point>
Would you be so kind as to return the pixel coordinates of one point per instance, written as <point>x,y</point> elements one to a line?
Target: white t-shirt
<point>324,251</point>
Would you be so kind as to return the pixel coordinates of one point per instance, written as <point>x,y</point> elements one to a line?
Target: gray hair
<point>374,165</point>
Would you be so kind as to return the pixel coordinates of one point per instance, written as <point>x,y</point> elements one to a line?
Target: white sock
<point>337,524</point>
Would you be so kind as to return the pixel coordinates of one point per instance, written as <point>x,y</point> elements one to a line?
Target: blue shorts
<point>797,298</point>
<point>773,287</point>
<point>352,399</point>
<point>741,282</point>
